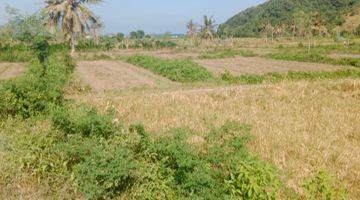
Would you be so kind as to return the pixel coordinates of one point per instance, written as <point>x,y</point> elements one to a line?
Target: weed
<point>322,186</point>
<point>84,120</point>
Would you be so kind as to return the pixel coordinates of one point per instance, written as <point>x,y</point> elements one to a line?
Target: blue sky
<point>153,16</point>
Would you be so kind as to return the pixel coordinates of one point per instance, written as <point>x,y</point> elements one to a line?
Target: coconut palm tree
<point>192,29</point>
<point>208,28</point>
<point>72,16</point>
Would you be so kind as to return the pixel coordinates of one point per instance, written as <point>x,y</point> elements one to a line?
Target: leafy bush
<point>323,186</point>
<point>84,120</point>
<point>33,94</point>
<point>105,174</point>
<point>253,180</point>
<point>176,70</point>
<point>207,170</point>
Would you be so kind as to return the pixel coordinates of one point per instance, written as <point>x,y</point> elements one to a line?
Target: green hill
<point>327,13</point>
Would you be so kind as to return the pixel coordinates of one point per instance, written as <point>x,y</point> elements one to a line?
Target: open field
<point>255,65</point>
<point>301,123</point>
<point>264,106</point>
<point>10,70</point>
<point>300,127</point>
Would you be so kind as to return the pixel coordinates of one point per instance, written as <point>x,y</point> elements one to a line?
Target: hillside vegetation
<point>288,15</point>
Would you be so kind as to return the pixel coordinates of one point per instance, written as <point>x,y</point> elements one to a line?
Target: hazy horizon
<point>154,17</point>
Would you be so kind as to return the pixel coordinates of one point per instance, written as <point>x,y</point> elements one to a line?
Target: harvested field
<point>11,70</point>
<point>115,75</point>
<point>299,127</point>
<point>256,65</point>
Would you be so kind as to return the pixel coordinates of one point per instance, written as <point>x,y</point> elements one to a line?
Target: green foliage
<point>226,53</point>
<point>253,180</point>
<point>176,70</point>
<point>120,37</point>
<point>250,22</point>
<point>324,187</point>
<point>105,173</point>
<point>84,120</point>
<point>203,170</point>
<point>33,93</point>
<point>21,27</point>
<point>139,34</point>
<point>292,76</point>
<point>41,48</point>
<point>15,53</point>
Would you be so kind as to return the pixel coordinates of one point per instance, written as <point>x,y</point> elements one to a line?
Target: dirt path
<point>114,75</point>
<point>11,70</point>
<point>256,65</point>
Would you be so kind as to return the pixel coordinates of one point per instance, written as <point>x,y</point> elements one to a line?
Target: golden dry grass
<point>300,127</point>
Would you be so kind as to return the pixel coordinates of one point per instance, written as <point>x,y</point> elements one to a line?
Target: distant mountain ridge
<point>250,22</point>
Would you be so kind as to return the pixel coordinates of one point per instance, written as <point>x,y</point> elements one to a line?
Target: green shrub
<point>323,186</point>
<point>253,180</point>
<point>33,93</point>
<point>105,174</point>
<point>176,70</point>
<point>210,169</point>
<point>84,120</point>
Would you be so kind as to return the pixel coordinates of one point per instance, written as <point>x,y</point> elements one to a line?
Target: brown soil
<point>256,65</point>
<point>113,75</point>
<point>158,53</point>
<point>344,55</point>
<point>11,70</point>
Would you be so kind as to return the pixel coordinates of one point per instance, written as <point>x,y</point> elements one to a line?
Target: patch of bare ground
<point>11,70</point>
<point>256,65</point>
<point>116,75</point>
<point>129,52</point>
<point>343,55</point>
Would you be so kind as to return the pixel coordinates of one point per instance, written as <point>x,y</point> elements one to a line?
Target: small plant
<point>253,180</point>
<point>322,186</point>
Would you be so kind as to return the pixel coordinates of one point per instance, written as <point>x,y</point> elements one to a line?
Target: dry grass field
<point>254,65</point>
<point>300,127</point>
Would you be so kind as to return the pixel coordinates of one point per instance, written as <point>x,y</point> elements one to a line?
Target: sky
<point>152,16</point>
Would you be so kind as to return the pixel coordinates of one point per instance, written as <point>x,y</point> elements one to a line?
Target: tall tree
<point>74,18</point>
<point>192,29</point>
<point>208,28</point>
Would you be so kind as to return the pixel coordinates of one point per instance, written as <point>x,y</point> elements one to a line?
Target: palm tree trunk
<point>72,45</point>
